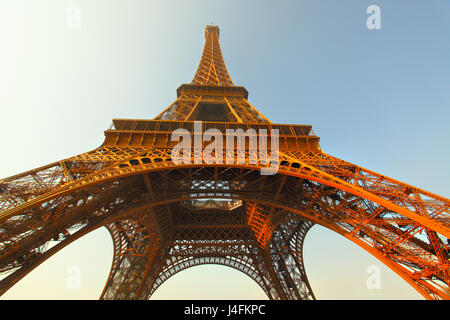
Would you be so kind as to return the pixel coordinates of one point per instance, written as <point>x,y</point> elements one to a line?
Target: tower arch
<point>132,185</point>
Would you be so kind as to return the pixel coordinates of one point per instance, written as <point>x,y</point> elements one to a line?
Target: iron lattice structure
<point>165,217</point>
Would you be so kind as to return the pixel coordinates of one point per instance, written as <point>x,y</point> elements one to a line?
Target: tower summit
<point>212,69</point>
<point>165,216</point>
<point>212,94</point>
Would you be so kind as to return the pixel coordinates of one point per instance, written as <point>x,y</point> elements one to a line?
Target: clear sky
<point>377,98</point>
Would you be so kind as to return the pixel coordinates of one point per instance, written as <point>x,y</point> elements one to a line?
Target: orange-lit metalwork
<point>165,217</point>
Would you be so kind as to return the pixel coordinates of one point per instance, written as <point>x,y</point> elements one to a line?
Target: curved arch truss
<point>147,221</point>
<point>164,216</point>
<point>278,271</point>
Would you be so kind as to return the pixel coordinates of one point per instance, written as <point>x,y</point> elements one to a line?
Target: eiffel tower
<point>165,216</point>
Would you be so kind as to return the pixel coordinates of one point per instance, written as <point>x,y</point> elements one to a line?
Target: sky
<point>378,98</point>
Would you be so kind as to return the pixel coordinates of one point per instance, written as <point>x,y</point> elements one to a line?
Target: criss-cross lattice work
<point>212,69</point>
<point>165,217</point>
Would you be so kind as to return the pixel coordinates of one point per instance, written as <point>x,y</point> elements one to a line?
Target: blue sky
<point>377,98</point>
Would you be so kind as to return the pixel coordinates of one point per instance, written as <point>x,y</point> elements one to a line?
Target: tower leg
<point>287,260</point>
<point>136,246</point>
